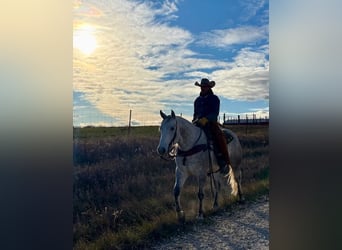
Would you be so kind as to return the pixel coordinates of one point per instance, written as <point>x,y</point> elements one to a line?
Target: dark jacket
<point>207,106</point>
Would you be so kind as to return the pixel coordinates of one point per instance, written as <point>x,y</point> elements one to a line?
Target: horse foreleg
<point>200,198</point>
<point>179,182</point>
<point>201,182</point>
<point>217,186</point>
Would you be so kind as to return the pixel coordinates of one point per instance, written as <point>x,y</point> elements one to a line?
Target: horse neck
<point>188,134</point>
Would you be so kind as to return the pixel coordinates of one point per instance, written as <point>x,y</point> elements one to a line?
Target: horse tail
<point>232,181</point>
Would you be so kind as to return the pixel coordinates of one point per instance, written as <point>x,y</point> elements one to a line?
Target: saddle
<point>220,158</point>
<point>228,137</point>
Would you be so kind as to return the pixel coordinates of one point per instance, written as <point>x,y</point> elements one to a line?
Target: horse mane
<point>186,122</point>
<point>183,119</point>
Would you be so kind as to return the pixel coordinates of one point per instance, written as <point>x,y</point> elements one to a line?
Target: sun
<point>84,39</point>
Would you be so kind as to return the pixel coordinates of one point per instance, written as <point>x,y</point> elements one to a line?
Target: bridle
<point>173,151</point>
<point>171,154</point>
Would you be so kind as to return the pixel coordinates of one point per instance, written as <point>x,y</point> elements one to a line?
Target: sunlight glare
<point>84,39</point>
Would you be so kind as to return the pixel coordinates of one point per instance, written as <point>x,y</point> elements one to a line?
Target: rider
<point>206,111</point>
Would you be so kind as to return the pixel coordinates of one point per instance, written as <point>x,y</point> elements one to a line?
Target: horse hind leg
<point>200,208</point>
<point>200,194</point>
<point>217,187</point>
<point>238,181</point>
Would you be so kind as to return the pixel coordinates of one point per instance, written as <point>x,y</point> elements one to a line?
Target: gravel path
<point>245,227</point>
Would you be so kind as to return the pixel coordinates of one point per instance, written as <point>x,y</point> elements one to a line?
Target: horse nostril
<point>161,150</point>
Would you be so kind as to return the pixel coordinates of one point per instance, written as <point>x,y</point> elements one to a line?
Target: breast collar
<point>194,149</point>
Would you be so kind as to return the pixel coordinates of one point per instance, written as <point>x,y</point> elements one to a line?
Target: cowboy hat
<point>205,83</point>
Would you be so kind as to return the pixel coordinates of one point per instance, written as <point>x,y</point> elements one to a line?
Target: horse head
<point>168,132</point>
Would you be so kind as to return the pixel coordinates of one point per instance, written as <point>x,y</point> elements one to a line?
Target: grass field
<point>122,194</point>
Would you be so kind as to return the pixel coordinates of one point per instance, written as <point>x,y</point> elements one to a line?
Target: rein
<point>211,175</point>
<point>194,150</point>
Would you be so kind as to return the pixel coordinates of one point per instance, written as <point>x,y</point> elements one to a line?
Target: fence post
<point>129,122</point>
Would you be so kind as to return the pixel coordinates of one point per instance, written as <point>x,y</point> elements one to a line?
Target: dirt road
<point>245,227</point>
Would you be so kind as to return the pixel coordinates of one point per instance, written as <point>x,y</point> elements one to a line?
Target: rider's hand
<point>203,121</point>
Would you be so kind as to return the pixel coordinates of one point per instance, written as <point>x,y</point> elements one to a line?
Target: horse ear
<point>162,114</point>
<point>173,114</point>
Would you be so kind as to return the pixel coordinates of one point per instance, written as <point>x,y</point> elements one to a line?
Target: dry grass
<point>123,191</point>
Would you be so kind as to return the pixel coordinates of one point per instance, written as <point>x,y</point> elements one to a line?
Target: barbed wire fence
<point>129,118</point>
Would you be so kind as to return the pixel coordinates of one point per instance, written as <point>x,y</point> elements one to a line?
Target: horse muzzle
<point>161,150</point>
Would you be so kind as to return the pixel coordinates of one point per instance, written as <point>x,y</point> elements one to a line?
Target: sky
<point>145,56</point>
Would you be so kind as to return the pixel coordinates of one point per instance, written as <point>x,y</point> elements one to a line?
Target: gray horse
<point>188,144</point>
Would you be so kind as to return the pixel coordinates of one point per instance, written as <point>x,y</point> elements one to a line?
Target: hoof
<point>200,217</point>
<point>242,200</point>
<point>215,207</point>
<point>181,216</point>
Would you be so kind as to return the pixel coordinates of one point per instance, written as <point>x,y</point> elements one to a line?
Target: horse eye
<point>172,128</point>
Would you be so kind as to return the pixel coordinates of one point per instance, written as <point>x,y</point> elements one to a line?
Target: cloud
<point>248,77</point>
<point>167,9</point>
<point>227,37</point>
<point>131,45</point>
<point>250,8</point>
<point>144,63</point>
